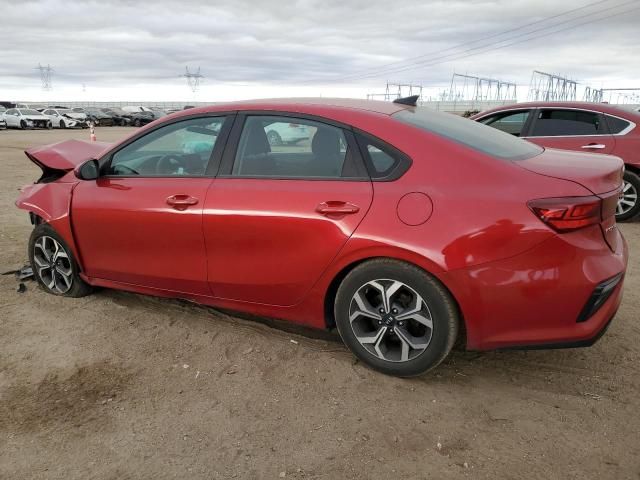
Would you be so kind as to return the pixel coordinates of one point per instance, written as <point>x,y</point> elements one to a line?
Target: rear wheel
<point>62,124</point>
<point>628,204</point>
<point>49,125</point>
<point>395,317</point>
<point>137,122</point>
<point>54,267</point>
<point>23,124</point>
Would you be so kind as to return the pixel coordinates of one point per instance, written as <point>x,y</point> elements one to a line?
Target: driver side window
<point>178,149</point>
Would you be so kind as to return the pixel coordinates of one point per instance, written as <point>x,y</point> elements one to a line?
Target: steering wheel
<point>168,164</point>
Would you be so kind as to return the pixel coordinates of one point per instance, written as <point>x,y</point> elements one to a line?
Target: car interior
<point>324,158</point>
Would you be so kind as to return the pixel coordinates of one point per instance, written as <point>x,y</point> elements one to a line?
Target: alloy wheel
<point>390,320</point>
<point>628,198</point>
<point>52,264</point>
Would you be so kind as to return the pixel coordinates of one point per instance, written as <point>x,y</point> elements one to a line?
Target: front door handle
<point>336,207</point>
<point>594,146</point>
<point>181,201</point>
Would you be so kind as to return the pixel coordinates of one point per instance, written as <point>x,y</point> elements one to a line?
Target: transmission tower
<point>593,95</point>
<point>45,76</point>
<point>623,95</point>
<point>396,90</point>
<point>474,88</point>
<point>193,79</point>
<point>547,87</point>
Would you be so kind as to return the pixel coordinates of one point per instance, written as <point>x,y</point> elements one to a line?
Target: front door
<point>287,199</point>
<point>141,221</point>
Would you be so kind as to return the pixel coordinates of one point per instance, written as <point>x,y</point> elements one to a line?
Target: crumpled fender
<point>52,203</point>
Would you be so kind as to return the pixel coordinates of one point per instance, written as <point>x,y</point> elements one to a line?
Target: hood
<point>598,173</point>
<point>65,156</point>
<point>36,117</point>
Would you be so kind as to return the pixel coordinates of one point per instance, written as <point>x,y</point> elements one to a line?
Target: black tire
<point>23,124</point>
<point>634,180</point>
<point>62,124</point>
<point>49,125</point>
<point>442,308</point>
<point>137,123</point>
<point>274,138</point>
<point>77,287</point>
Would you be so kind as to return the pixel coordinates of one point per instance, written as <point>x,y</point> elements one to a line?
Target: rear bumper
<point>536,299</point>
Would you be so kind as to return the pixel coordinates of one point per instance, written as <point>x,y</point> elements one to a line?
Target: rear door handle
<point>335,207</point>
<point>181,201</point>
<point>595,146</point>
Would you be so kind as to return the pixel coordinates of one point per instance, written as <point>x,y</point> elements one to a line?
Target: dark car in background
<point>119,116</point>
<point>98,117</point>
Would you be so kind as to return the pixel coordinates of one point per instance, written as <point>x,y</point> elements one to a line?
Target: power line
<point>471,42</point>
<point>467,53</point>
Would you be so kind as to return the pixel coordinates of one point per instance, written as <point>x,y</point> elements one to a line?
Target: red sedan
<point>403,227</point>
<point>581,126</point>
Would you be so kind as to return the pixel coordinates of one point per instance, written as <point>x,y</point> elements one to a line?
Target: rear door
<point>571,129</point>
<point>282,207</point>
<point>141,221</point>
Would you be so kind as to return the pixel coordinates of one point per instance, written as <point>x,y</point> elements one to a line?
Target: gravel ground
<point>124,386</point>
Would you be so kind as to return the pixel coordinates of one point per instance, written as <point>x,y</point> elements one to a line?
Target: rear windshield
<point>470,133</point>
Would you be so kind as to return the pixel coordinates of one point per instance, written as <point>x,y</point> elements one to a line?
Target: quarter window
<point>284,147</point>
<point>178,149</point>
<point>616,125</point>
<point>508,122</point>
<point>553,123</point>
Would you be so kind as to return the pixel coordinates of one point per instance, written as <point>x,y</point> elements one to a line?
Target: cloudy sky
<point>135,50</point>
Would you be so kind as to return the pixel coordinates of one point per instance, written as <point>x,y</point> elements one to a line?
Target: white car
<point>281,133</point>
<point>64,118</point>
<point>26,118</point>
<point>78,113</point>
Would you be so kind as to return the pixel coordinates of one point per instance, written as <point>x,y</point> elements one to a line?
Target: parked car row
<point>57,116</point>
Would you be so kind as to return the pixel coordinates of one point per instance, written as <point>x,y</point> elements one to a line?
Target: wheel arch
<point>333,286</point>
<point>51,203</point>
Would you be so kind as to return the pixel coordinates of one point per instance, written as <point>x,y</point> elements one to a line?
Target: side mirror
<point>89,170</point>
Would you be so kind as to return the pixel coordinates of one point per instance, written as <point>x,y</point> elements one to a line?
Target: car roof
<point>598,107</point>
<point>295,104</point>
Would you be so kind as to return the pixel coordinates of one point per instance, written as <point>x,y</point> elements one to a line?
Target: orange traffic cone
<point>92,130</point>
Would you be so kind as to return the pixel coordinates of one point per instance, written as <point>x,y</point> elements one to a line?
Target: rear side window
<point>469,133</point>
<point>508,122</point>
<point>287,147</point>
<point>616,125</point>
<point>554,123</point>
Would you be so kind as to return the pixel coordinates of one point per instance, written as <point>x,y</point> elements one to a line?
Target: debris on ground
<point>21,288</point>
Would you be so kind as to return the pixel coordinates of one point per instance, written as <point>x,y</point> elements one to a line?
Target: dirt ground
<point>124,386</point>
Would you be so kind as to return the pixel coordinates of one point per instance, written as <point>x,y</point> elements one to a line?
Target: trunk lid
<point>600,174</point>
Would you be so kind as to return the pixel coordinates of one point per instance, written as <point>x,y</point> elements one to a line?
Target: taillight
<point>567,214</point>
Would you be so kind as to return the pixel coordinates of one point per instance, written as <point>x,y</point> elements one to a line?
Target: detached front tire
<point>395,317</point>
<point>629,203</point>
<point>54,266</point>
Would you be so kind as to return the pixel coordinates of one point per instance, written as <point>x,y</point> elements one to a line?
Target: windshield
<point>470,133</point>
<point>27,111</point>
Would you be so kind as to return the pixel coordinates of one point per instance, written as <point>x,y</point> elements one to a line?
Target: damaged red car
<point>405,228</point>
